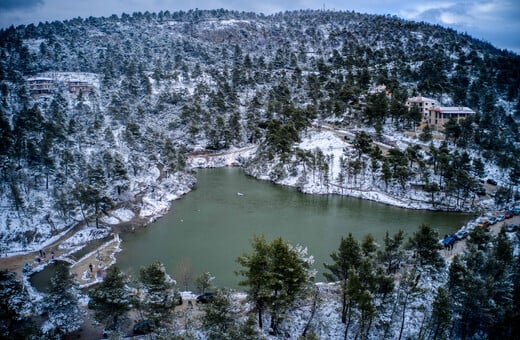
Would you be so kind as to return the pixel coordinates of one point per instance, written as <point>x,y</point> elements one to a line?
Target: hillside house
<point>41,86</point>
<point>77,86</point>
<point>438,116</point>
<point>379,89</point>
<point>423,103</point>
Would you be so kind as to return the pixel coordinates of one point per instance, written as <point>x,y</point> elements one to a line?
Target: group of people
<point>42,256</point>
<point>449,242</point>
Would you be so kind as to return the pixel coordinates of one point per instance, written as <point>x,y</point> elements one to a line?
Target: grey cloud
<point>10,5</point>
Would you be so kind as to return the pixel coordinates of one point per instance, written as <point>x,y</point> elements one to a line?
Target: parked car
<point>482,222</point>
<point>448,241</point>
<point>511,228</point>
<point>142,327</point>
<point>500,218</point>
<point>481,191</point>
<point>492,220</point>
<point>461,234</point>
<point>471,226</point>
<point>491,181</point>
<point>205,298</point>
<point>516,211</point>
<point>508,214</point>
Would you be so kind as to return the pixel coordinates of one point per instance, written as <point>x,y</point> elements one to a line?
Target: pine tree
<point>288,280</point>
<point>441,315</point>
<point>500,269</point>
<point>513,319</point>
<point>276,275</point>
<point>219,318</point>
<point>480,286</point>
<point>158,295</point>
<point>362,143</point>
<point>61,305</point>
<point>392,253</point>
<point>203,282</point>
<point>479,237</point>
<point>409,289</point>
<point>346,258</point>
<point>247,329</point>
<point>367,311</point>
<point>425,243</point>
<point>110,300</point>
<point>16,196</point>
<point>6,137</point>
<point>426,134</point>
<point>256,275</point>
<point>15,308</point>
<point>351,292</point>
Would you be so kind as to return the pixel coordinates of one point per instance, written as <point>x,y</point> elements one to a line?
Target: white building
<point>438,116</point>
<point>424,104</point>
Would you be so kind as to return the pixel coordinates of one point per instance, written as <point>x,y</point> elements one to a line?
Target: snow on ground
<point>333,146</point>
<point>110,219</point>
<point>83,236</point>
<point>188,295</point>
<point>157,201</point>
<point>118,216</point>
<point>232,157</point>
<point>113,246</point>
<point>17,248</point>
<point>327,141</point>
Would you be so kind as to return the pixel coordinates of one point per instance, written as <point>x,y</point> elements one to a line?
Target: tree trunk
<point>402,319</point>
<point>97,214</point>
<point>347,326</point>
<point>313,311</point>
<point>344,308</point>
<point>368,327</point>
<point>260,323</point>
<point>83,214</point>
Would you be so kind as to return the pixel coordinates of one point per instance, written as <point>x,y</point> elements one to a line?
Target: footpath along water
<point>211,226</point>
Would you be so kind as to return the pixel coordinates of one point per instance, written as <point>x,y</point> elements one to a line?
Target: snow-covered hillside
<point>103,114</point>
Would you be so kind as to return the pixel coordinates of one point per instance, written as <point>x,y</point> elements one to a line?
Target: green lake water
<point>211,226</point>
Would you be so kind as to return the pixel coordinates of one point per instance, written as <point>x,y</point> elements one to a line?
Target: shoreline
<point>15,261</point>
<point>137,221</point>
<point>198,160</point>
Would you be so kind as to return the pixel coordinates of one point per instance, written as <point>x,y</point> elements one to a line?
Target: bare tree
<point>184,272</point>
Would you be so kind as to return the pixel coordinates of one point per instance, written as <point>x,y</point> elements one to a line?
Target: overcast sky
<point>494,21</point>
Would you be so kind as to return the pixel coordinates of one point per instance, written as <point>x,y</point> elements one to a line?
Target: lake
<point>210,227</point>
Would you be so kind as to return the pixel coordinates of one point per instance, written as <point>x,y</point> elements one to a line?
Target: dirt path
<point>15,263</point>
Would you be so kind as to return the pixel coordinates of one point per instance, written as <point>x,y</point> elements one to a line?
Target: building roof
<point>77,82</point>
<point>454,110</point>
<point>40,79</point>
<point>420,99</point>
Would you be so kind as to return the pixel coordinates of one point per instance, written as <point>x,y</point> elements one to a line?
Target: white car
<point>461,234</point>
<point>471,226</point>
